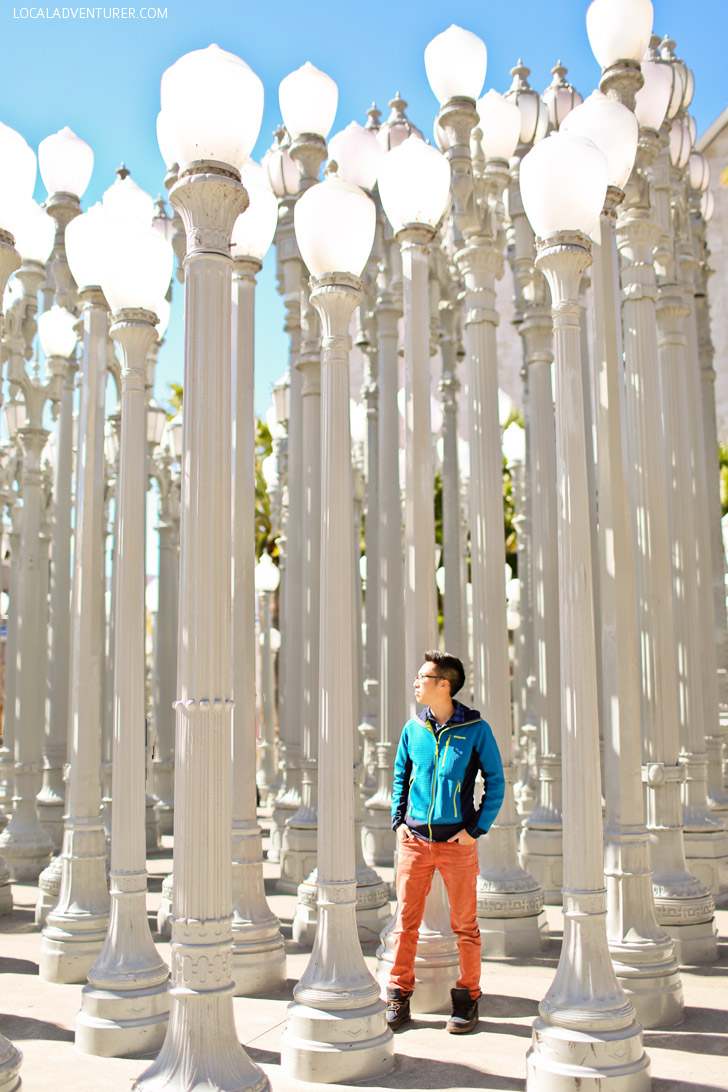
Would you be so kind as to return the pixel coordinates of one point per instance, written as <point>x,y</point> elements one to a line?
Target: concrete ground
<point>40,1018</point>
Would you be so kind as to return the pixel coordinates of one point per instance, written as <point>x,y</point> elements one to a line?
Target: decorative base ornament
<point>49,888</point>
<point>10,1060</point>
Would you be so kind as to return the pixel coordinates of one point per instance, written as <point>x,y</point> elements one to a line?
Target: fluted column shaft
<point>128,966</point>
<point>165,667</point>
<point>76,928</point>
<point>201,1043</point>
<point>258,952</point>
<point>641,951</point>
<point>454,623</point>
<point>684,907</point>
<point>593,1007</point>
<point>24,844</point>
<point>336,979</point>
<point>505,891</point>
<point>420,602</point>
<point>52,795</point>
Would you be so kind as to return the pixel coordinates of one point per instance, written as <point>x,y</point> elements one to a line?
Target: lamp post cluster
<point>615,611</point>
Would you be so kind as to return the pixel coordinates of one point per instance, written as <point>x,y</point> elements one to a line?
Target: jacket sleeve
<point>402,774</point>
<point>492,769</point>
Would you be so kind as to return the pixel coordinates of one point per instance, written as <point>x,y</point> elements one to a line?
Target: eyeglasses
<point>420,678</point>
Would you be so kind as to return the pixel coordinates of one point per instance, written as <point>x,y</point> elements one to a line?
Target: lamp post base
<point>25,852</point>
<point>298,851</point>
<point>706,853</point>
<point>372,908</point>
<point>695,943</point>
<point>562,1059</point>
<point>153,831</point>
<point>51,809</point>
<point>187,1060</point>
<point>437,963</point>
<point>120,1023</point>
<point>284,806</point>
<point>49,888</point>
<point>337,1046</point>
<point>378,838</point>
<point>10,1059</point>
<point>650,977</point>
<point>164,914</point>
<point>508,938</point>
<point>542,856</point>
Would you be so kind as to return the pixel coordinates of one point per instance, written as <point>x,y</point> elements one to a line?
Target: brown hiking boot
<point>464,1012</point>
<point>398,1007</point>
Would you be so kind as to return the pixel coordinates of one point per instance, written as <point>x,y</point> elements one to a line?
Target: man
<point>437,823</point>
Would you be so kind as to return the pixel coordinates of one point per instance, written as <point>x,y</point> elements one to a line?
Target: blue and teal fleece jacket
<point>435,771</point>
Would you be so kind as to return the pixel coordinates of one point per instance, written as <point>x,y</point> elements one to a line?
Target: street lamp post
<point>510,901</point>
<point>259,959</point>
<point>336,1028</point>
<point>76,928</point>
<point>583,1024</point>
<point>125,1004</point>
<point>212,104</point>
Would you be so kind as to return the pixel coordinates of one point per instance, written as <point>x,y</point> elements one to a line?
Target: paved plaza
<point>39,1017</point>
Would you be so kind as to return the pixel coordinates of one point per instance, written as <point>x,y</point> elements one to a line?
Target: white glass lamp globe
<point>269,468</point>
<point>514,443</point>
<point>563,184</point>
<point>283,174</point>
<point>560,97</point>
<point>613,128</point>
<point>267,575</point>
<point>308,99</point>
<point>692,128</point>
<point>56,331</point>
<point>619,30</point>
<point>456,63</point>
<point>534,111</point>
<point>254,229</point>
<point>707,205</point>
<point>653,98</point>
<point>500,124</point>
<point>88,239</point>
<point>689,87</point>
<point>699,172</point>
<point>165,140</point>
<point>414,184</point>
<point>126,200</point>
<point>66,163</point>
<point>335,223</point>
<point>163,313</point>
<point>15,416</point>
<point>680,143</point>
<point>17,175</point>
<point>213,107</point>
<point>140,268</point>
<point>34,232</point>
<point>357,154</point>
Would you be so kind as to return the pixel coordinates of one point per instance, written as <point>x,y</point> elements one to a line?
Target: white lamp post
<point>683,906</point>
<point>582,1024</point>
<point>641,951</point>
<point>212,103</point>
<point>267,580</point>
<point>308,100</point>
<point>125,1004</point>
<point>76,929</point>
<point>259,960</point>
<point>57,335</point>
<point>414,181</point>
<point>336,1027</point>
<point>510,901</point>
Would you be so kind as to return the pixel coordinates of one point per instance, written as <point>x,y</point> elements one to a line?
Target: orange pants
<point>458,866</point>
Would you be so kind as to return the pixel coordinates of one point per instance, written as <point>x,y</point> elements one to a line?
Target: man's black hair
<point>448,667</point>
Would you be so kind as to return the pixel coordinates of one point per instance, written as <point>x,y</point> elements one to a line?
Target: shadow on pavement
<point>26,1027</point>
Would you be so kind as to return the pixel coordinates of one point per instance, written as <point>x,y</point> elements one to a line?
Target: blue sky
<point>101,77</point>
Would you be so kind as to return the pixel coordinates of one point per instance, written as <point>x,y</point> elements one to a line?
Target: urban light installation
<point>336,1028</point>
<point>641,951</point>
<point>586,1024</point>
<point>259,958</point>
<point>212,104</point>
<point>683,906</point>
<point>510,901</point>
<point>267,580</point>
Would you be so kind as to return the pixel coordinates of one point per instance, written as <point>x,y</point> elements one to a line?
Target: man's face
<point>428,684</point>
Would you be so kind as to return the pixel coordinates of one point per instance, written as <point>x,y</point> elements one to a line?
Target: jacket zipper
<point>455,799</point>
